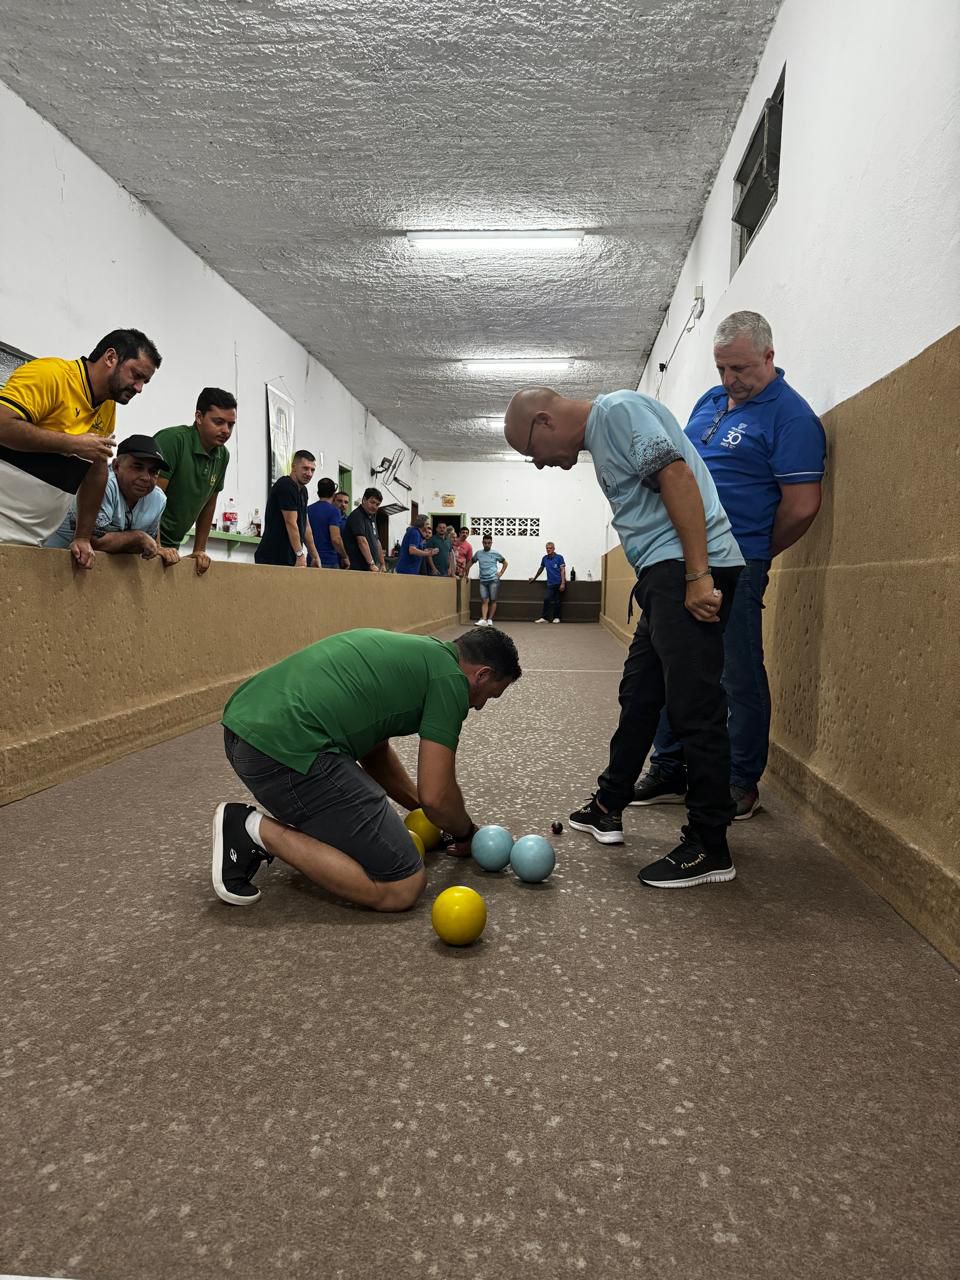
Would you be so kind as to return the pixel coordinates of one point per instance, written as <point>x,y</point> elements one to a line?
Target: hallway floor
<point>756,1079</point>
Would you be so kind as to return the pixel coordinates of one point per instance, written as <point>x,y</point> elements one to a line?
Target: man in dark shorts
<point>310,738</point>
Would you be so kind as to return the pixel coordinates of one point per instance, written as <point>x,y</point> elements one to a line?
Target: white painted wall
<point>79,257</point>
<point>857,267</point>
<point>570,505</point>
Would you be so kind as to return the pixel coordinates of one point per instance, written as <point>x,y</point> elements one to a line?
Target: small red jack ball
<point>556,827</point>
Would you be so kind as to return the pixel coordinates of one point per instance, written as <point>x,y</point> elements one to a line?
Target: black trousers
<point>552,597</point>
<point>675,661</point>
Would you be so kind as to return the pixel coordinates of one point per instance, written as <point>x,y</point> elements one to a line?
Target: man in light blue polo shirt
<point>492,568</point>
<point>128,522</point>
<point>678,540</point>
<point>765,449</point>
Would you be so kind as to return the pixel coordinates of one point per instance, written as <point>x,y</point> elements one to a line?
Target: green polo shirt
<point>350,691</point>
<point>193,474</point>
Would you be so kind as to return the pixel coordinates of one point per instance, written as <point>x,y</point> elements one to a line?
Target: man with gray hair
<point>765,449</point>
<point>414,549</point>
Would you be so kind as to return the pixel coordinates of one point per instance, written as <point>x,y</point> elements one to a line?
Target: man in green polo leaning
<point>197,458</point>
<point>310,738</point>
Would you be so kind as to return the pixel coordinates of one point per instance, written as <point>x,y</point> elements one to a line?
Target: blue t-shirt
<point>552,565</point>
<point>406,563</point>
<point>631,438</point>
<point>488,561</point>
<point>114,515</point>
<point>752,449</point>
<point>322,516</point>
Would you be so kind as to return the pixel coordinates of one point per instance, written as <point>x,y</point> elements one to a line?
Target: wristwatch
<point>301,552</point>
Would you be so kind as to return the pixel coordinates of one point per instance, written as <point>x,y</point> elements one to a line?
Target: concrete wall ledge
<point>104,663</point>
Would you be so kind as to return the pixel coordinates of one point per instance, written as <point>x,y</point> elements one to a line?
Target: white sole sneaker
<point>216,869</point>
<point>604,837</point>
<point>711,877</point>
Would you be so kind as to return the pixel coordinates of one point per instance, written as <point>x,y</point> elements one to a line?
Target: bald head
<point>546,426</point>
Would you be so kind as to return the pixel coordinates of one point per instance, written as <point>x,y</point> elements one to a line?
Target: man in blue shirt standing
<point>765,449</point>
<point>325,521</point>
<point>678,539</point>
<point>492,568</point>
<point>413,548</point>
<point>556,569</point>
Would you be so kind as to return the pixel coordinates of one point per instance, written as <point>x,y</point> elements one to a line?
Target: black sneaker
<point>605,827</point>
<point>747,800</point>
<point>236,859</point>
<point>655,787</point>
<point>689,864</point>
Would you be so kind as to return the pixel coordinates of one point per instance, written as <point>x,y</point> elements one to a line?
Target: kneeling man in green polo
<point>310,738</point>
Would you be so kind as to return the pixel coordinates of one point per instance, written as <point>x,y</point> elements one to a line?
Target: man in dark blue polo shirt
<point>556,570</point>
<point>325,520</point>
<point>765,449</point>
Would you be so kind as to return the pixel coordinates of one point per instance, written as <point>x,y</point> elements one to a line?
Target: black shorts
<point>336,802</point>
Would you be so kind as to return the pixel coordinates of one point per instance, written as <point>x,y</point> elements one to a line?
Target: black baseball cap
<point>141,447</point>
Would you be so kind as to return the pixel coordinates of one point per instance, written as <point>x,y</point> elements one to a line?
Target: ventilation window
<point>505,526</point>
<point>758,176</point>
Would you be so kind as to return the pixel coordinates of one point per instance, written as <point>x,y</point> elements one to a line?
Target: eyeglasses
<point>711,431</point>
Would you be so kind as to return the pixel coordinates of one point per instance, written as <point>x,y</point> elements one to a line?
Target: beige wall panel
<point>862,643</point>
<point>103,663</point>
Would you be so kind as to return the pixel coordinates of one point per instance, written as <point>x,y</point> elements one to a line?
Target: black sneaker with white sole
<point>655,787</point>
<point>236,859</point>
<point>689,864</point>
<point>747,801</point>
<point>605,827</point>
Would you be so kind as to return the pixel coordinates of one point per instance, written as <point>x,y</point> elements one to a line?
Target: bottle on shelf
<point>229,517</point>
<point>256,524</point>
<point>573,575</point>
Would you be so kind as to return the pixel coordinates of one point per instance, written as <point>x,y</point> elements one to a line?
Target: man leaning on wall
<point>56,437</point>
<point>196,463</point>
<point>765,449</point>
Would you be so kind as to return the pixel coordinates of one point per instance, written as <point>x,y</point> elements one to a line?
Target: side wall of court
<point>101,664</point>
<point>862,648</point>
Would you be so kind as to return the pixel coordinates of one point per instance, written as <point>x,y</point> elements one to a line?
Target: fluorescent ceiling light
<point>497,241</point>
<point>521,365</point>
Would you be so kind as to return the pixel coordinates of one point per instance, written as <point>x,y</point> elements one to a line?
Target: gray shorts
<point>336,802</point>
<point>488,590</point>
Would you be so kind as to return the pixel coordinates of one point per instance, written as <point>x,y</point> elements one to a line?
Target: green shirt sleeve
<point>170,441</point>
<point>445,710</point>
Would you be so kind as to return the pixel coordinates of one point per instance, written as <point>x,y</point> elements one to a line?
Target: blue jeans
<point>745,682</point>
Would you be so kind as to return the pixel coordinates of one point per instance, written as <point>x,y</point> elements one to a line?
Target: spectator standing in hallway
<point>196,463</point>
<point>360,534</point>
<point>325,521</point>
<point>413,548</point>
<point>442,563</point>
<point>678,539</point>
<point>128,522</point>
<point>556,571</point>
<point>287,536</point>
<point>492,568</point>
<point>463,552</point>
<point>56,437</point>
<point>765,449</point>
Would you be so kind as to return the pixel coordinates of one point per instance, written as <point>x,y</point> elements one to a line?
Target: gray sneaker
<point>747,800</point>
<point>655,788</point>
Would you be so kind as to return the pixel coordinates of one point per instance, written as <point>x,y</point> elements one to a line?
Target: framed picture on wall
<point>279,434</point>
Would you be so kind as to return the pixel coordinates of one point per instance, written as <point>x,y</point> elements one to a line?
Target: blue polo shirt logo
<point>734,436</point>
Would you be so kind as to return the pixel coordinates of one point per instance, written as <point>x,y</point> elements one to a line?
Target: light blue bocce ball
<point>533,858</point>
<point>491,848</point>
